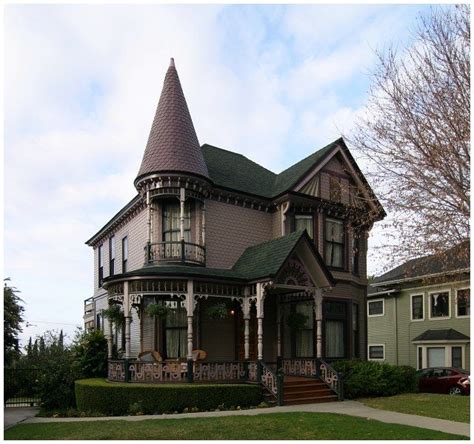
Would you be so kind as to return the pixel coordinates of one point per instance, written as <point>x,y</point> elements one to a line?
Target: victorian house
<point>247,265</point>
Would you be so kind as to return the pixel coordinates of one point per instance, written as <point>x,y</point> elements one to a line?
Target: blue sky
<point>273,82</point>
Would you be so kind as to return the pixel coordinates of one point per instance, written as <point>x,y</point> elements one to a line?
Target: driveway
<point>14,415</point>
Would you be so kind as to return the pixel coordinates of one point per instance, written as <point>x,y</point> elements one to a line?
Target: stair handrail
<point>272,381</point>
<point>332,378</point>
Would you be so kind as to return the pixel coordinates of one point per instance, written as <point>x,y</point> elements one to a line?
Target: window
<point>355,330</point>
<point>335,189</point>
<point>335,329</point>
<point>355,254</point>
<point>463,302</point>
<point>417,307</point>
<point>376,308</point>
<point>439,303</point>
<point>101,264</point>
<point>176,329</point>
<point>172,230</point>
<point>334,251</point>
<point>112,255</point>
<point>436,357</point>
<point>377,352</point>
<point>420,358</point>
<point>456,357</point>
<point>304,337</point>
<point>304,222</point>
<point>124,254</point>
<point>98,322</point>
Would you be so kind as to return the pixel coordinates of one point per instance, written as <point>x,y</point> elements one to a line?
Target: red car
<point>448,380</point>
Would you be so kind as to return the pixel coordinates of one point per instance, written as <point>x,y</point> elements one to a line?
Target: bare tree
<point>416,135</point>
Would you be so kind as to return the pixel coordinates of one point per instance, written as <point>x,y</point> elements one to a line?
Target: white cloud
<point>81,88</point>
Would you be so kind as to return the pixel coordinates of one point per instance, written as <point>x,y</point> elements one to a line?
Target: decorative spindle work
<point>157,371</point>
<point>219,371</point>
<point>300,367</point>
<point>116,370</point>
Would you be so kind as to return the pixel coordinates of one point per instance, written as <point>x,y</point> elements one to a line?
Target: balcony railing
<point>174,252</point>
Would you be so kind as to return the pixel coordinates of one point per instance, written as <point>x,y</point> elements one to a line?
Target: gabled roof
<point>234,171</point>
<point>267,259</point>
<point>173,144</point>
<point>444,334</point>
<point>453,259</point>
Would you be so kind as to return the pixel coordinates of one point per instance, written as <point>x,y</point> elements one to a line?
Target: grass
<point>453,408</point>
<point>266,426</point>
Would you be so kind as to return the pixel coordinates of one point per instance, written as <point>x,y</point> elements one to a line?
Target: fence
<point>21,387</point>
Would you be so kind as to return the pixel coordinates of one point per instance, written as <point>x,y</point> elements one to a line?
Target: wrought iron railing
<point>219,371</point>
<point>272,381</point>
<point>175,252</point>
<point>332,378</point>
<point>252,370</point>
<point>116,370</point>
<point>157,371</point>
<point>300,367</point>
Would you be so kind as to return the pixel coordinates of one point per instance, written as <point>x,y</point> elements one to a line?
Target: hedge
<point>370,378</point>
<point>114,398</point>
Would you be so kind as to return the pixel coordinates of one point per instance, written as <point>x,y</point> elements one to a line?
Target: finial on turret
<point>172,62</point>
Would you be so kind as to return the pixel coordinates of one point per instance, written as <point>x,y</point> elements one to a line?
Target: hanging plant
<point>115,315</point>
<point>217,311</point>
<point>296,321</point>
<point>158,310</point>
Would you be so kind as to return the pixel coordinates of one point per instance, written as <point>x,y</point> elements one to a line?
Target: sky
<point>273,82</point>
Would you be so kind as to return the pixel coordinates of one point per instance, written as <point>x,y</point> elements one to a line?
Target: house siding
<point>230,229</point>
<point>403,351</point>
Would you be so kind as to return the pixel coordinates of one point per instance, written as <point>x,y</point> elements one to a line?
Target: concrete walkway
<point>15,415</point>
<point>352,408</point>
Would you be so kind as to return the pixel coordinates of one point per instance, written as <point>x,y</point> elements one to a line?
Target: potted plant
<point>218,311</point>
<point>115,315</point>
<point>296,321</point>
<point>157,310</point>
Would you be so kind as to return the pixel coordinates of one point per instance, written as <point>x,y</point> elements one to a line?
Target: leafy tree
<point>12,319</point>
<point>90,353</point>
<point>416,135</point>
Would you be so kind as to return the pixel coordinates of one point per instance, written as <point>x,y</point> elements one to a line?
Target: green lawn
<point>454,408</point>
<point>266,426</point>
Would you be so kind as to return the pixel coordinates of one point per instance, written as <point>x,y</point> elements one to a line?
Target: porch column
<point>318,311</point>
<point>190,305</point>
<point>126,312</point>
<point>246,314</point>
<point>259,304</point>
<point>110,344</point>
<point>148,204</point>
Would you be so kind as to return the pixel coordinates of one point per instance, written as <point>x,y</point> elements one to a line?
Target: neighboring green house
<point>419,313</point>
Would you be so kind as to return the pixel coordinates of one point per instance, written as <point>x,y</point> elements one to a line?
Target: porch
<point>287,381</point>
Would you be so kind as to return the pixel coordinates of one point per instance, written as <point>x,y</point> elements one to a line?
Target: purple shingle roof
<point>173,144</point>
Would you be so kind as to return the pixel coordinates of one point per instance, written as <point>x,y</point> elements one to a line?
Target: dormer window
<point>304,222</point>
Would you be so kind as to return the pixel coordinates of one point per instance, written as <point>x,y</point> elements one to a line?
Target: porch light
<point>232,312</point>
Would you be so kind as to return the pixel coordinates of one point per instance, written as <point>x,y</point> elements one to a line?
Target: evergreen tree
<point>12,319</point>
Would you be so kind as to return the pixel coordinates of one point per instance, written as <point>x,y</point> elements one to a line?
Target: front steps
<point>300,390</point>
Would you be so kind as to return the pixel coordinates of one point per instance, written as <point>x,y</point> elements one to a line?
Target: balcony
<point>175,252</point>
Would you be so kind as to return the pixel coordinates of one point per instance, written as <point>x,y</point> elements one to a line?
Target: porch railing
<point>272,381</point>
<point>175,252</point>
<point>332,378</point>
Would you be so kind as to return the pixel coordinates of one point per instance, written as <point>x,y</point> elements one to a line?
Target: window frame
<point>343,267</point>
<point>412,295</point>
<point>376,315</point>
<point>112,255</point>
<point>375,345</point>
<point>448,353</point>
<point>456,303</point>
<point>100,265</point>
<point>308,216</point>
<point>439,318</point>
<point>183,328</point>
<point>187,209</point>
<point>124,260</point>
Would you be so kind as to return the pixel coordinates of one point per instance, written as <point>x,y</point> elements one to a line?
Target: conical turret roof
<point>173,145</point>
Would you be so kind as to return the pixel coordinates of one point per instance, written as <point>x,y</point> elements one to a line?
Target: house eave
<point>417,278</point>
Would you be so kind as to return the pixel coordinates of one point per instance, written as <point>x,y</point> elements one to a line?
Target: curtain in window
<point>172,230</point>
<point>176,331</point>
<point>334,242</point>
<point>436,357</point>
<point>334,338</point>
<point>304,222</point>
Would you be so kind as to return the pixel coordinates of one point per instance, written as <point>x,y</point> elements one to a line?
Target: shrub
<point>90,353</point>
<point>114,398</point>
<point>370,378</point>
